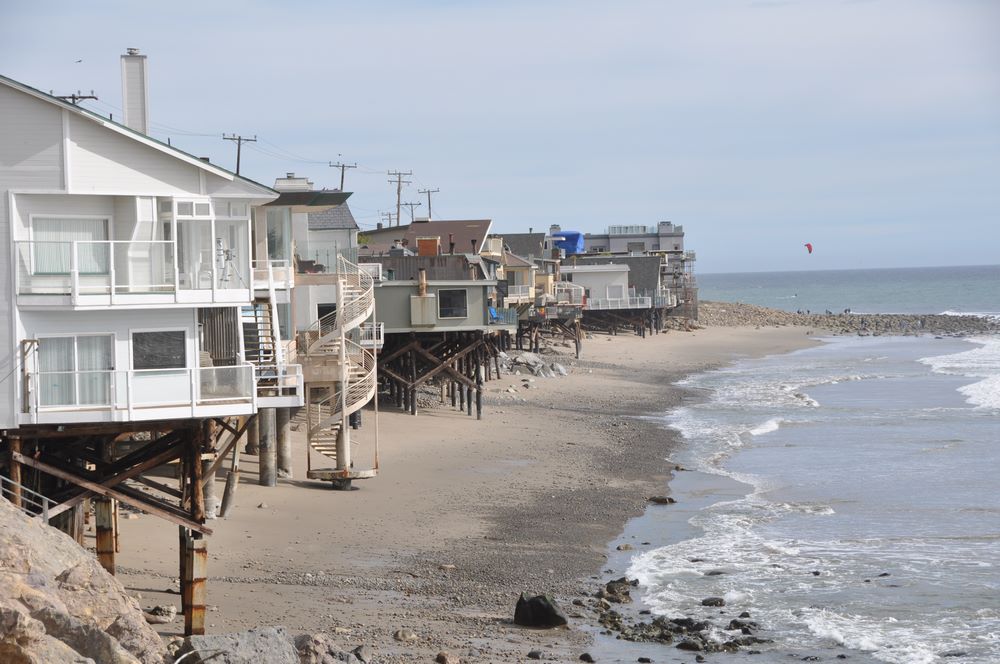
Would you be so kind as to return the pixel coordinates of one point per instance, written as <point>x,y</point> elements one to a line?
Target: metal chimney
<point>135,91</point>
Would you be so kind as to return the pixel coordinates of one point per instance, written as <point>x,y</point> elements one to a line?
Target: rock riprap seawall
<point>57,604</point>
<point>735,314</point>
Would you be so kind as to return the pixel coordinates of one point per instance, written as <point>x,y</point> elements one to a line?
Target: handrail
<point>350,313</point>
<point>31,502</point>
<point>360,389</point>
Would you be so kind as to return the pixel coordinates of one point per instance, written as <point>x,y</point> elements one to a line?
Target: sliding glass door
<point>75,371</point>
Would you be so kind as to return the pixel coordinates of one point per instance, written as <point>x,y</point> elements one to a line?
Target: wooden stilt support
<point>104,513</point>
<point>193,587</point>
<point>15,471</point>
<point>253,436</point>
<point>232,482</point>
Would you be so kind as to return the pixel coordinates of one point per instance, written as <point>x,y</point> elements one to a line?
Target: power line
<point>342,168</point>
<point>411,206</point>
<point>239,145</point>
<point>399,189</point>
<point>428,192</point>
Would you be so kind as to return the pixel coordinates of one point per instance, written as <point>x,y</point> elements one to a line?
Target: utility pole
<point>75,98</point>
<point>399,189</point>
<point>239,146</point>
<point>342,168</point>
<point>387,216</point>
<point>428,192</point>
<point>411,206</point>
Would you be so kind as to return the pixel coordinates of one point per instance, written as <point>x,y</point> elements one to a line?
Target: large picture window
<point>453,304</point>
<point>75,371</point>
<point>159,350</point>
<point>53,242</point>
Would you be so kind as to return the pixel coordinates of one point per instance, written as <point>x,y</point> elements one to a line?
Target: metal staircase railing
<point>330,403</point>
<point>30,502</point>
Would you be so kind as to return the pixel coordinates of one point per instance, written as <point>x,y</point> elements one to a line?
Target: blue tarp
<point>572,242</point>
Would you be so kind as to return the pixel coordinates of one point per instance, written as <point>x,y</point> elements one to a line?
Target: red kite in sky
<point>809,247</point>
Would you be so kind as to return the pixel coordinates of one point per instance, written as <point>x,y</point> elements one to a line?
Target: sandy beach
<point>464,514</point>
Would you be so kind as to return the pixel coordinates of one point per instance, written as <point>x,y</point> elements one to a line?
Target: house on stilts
<point>139,329</point>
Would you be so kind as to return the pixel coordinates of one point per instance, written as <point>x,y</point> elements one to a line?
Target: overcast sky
<point>869,128</point>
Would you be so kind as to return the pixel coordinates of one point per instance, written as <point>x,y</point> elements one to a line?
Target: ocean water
<point>926,290</point>
<point>846,495</point>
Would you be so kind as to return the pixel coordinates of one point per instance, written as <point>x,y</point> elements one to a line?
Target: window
<point>75,371</point>
<point>53,242</point>
<point>279,234</point>
<point>159,350</point>
<point>453,304</point>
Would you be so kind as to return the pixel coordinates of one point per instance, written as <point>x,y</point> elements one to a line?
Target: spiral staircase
<point>339,378</point>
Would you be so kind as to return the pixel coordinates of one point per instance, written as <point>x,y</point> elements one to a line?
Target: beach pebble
<point>262,506</point>
<point>624,547</point>
<point>364,654</point>
<point>661,500</point>
<point>713,601</point>
<point>535,654</point>
<point>445,658</point>
<point>587,657</point>
<point>405,635</point>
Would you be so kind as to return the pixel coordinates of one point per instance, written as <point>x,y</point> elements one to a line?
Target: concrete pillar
<point>283,426</point>
<point>267,457</point>
<point>104,517</point>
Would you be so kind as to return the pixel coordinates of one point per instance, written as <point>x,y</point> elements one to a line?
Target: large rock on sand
<point>273,645</point>
<point>57,604</point>
<point>538,611</point>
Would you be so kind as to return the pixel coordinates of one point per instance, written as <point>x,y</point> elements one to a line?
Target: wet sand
<point>464,514</point>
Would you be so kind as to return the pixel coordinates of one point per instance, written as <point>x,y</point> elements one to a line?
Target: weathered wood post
<point>479,383</point>
<point>267,459</point>
<point>194,546</point>
<point>15,471</point>
<point>105,528</point>
<point>253,436</point>
<point>283,424</point>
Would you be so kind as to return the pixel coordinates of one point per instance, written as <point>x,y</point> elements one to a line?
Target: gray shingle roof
<point>336,218</point>
<point>525,245</point>
<point>643,271</point>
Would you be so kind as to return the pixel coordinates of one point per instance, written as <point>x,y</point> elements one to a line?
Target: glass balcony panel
<point>225,383</point>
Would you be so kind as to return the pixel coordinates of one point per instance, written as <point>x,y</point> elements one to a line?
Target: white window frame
<point>442,290</point>
<point>76,366</point>
<point>140,330</point>
<point>108,220</point>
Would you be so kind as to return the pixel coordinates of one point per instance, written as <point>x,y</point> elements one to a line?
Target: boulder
<point>538,611</point>
<point>273,645</point>
<point>713,601</point>
<point>53,591</point>
<point>320,649</point>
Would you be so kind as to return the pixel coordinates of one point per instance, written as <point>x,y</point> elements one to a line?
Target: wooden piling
<point>105,527</point>
<point>15,471</point>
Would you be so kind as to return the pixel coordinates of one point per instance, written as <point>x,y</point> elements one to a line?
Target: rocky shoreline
<point>735,314</point>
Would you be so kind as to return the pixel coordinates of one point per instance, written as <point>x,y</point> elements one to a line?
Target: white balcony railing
<point>279,380</point>
<point>107,272</point>
<point>520,292</point>
<point>603,304</point>
<point>567,292</point>
<point>131,390</point>
<point>372,335</point>
<point>279,274</point>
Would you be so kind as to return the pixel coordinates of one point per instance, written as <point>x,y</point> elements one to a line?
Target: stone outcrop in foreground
<point>735,314</point>
<point>57,604</point>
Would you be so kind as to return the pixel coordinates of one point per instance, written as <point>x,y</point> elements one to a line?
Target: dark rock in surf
<point>538,611</point>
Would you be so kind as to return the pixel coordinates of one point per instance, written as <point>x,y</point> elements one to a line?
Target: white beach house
<point>129,268</point>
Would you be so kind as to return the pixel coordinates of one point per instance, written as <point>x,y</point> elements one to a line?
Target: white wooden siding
<point>103,161</point>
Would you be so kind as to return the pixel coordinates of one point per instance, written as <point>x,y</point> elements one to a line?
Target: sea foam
<point>982,362</point>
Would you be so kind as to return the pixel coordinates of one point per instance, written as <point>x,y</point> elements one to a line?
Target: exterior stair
<point>340,377</point>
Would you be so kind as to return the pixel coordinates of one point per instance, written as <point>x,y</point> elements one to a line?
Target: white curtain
<point>56,354</point>
<point>54,239</point>
<point>93,361</point>
<point>75,370</point>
